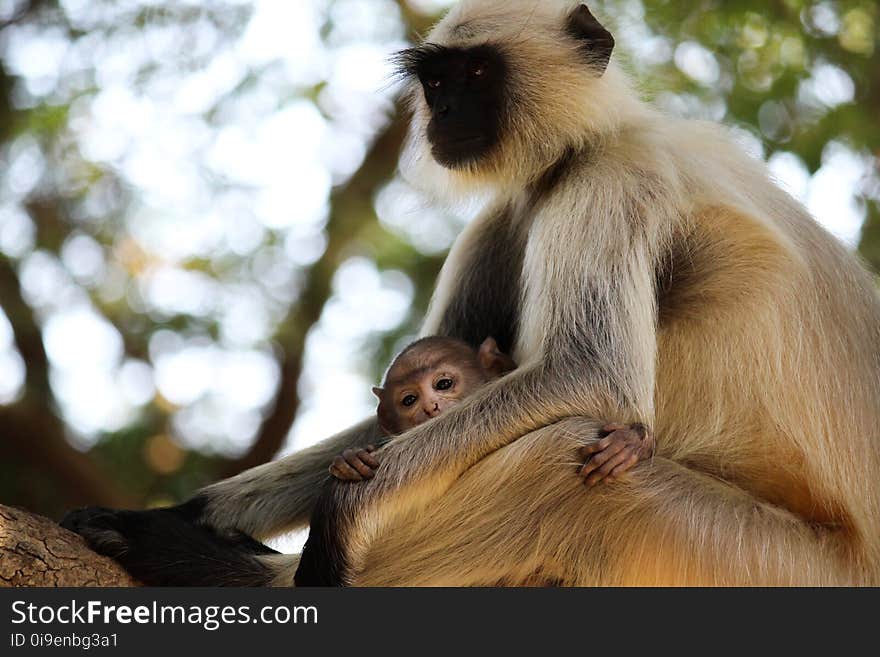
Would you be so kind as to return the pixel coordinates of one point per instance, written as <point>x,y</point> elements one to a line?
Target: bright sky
<point>278,162</point>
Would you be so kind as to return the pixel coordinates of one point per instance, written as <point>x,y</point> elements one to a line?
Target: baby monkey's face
<point>431,377</point>
<point>430,390</point>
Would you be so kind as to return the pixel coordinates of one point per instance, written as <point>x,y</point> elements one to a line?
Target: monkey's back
<point>769,346</point>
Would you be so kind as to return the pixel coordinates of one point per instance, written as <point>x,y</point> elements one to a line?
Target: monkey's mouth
<point>455,152</point>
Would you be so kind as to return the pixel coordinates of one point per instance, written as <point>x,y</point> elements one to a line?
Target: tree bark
<point>35,551</point>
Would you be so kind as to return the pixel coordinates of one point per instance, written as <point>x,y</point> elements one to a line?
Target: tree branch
<point>34,551</point>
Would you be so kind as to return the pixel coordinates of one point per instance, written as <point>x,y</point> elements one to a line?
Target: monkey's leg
<point>168,545</point>
<point>522,515</point>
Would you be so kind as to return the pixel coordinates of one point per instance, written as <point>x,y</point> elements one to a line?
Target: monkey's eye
<point>433,83</point>
<point>443,384</point>
<point>409,400</point>
<point>479,70</point>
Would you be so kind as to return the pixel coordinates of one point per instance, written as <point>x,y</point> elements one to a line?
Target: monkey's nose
<point>441,110</point>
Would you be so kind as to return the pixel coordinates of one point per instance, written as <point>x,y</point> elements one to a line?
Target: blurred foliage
<point>798,75</point>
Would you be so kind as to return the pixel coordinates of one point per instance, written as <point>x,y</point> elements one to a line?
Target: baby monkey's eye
<point>443,384</point>
<point>409,400</point>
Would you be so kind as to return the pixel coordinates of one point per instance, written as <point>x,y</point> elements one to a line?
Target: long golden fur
<point>657,275</point>
<point>745,334</point>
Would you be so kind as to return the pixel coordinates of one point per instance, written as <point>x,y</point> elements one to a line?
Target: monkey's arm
<point>278,496</point>
<point>598,361</point>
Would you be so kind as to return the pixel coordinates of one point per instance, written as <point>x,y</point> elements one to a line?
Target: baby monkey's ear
<point>386,416</point>
<point>494,362</point>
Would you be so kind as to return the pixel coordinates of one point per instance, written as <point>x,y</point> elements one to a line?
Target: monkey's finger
<point>364,456</point>
<point>605,469</point>
<point>625,435</point>
<point>342,476</point>
<point>342,470</point>
<point>336,474</point>
<point>596,447</point>
<point>639,439</point>
<point>624,466</point>
<point>365,470</point>
<point>370,448</point>
<point>600,459</point>
<point>614,426</point>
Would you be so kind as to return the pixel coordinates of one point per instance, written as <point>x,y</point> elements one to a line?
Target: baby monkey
<point>435,373</point>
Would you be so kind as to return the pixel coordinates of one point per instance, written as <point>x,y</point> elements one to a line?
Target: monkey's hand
<point>623,446</point>
<point>355,464</point>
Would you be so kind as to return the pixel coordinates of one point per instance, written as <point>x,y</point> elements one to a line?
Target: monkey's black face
<point>464,90</point>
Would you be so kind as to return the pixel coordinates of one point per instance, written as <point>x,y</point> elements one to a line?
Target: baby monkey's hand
<point>355,464</point>
<point>623,446</point>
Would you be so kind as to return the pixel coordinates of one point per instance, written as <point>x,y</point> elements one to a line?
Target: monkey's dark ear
<point>387,420</point>
<point>494,362</point>
<point>387,416</point>
<point>596,42</point>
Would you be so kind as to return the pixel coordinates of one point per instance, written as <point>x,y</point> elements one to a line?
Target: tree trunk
<point>34,551</point>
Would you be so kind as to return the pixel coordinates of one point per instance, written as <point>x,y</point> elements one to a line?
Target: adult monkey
<point>638,268</point>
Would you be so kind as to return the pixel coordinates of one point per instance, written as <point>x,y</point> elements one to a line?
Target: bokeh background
<point>206,258</point>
